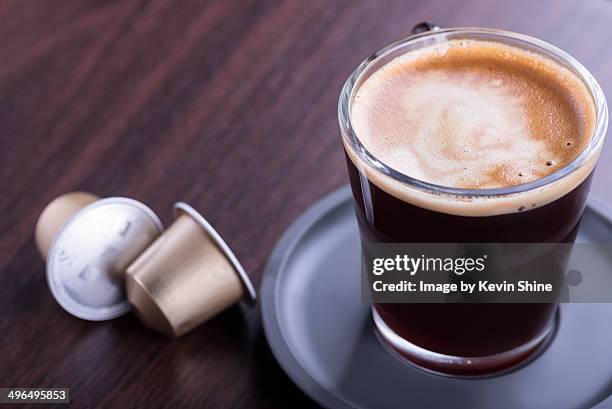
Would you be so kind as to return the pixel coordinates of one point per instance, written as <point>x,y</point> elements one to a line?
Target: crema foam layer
<point>477,115</point>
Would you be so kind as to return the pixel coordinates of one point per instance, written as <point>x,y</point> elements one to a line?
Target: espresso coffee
<point>470,114</point>
<point>473,114</point>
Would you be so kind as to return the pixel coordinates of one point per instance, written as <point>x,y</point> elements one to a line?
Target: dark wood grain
<point>228,105</point>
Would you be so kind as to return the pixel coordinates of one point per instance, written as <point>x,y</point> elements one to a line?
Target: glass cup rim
<point>350,137</point>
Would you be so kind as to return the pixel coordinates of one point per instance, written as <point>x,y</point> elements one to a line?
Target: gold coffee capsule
<point>56,214</point>
<point>188,275</point>
<point>88,242</point>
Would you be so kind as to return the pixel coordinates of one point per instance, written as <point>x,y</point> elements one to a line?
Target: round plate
<point>90,253</point>
<point>323,337</point>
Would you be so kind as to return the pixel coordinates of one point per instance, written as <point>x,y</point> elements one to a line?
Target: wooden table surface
<point>228,105</point>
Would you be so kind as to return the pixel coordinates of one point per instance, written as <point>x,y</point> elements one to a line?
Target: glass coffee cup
<point>394,207</point>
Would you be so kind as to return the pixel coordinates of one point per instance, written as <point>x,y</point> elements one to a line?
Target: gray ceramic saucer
<point>322,335</point>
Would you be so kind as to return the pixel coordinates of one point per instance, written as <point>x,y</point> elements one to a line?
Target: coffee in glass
<point>470,136</point>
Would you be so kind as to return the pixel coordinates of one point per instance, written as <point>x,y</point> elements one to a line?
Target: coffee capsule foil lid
<point>89,254</point>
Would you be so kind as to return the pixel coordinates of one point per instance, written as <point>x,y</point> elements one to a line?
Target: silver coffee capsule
<point>88,255</point>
